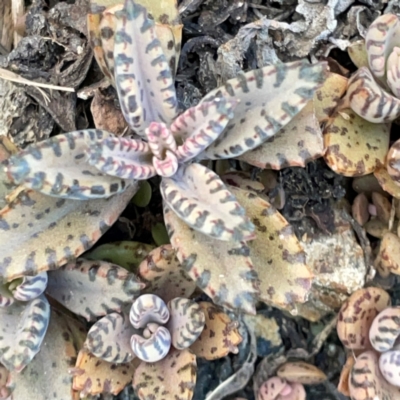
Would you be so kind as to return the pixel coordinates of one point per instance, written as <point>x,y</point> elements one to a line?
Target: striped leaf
<point>269,98</point>
<point>369,100</point>
<point>93,288</point>
<point>143,77</point>
<point>24,326</point>
<point>39,232</point>
<point>199,126</point>
<point>109,339</point>
<point>224,271</point>
<point>58,167</point>
<point>198,196</point>
<point>393,162</point>
<point>122,157</point>
<point>186,322</point>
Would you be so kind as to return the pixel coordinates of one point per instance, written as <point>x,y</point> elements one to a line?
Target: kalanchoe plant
<point>236,118</point>
<point>369,327</point>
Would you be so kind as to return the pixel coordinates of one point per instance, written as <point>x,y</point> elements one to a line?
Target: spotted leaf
<point>220,335</point>
<point>164,275</point>
<point>277,255</point>
<point>123,158</point>
<point>40,232</point>
<point>31,287</point>
<point>369,100</point>
<point>198,196</point>
<point>24,326</point>
<point>47,376</point>
<point>143,77</point>
<point>186,322</point>
<point>93,288</point>
<point>299,142</point>
<point>58,167</point>
<point>94,376</point>
<point>224,272</point>
<point>7,148</point>
<point>109,339</point>
<point>382,35</point>
<point>354,146</point>
<point>199,126</point>
<point>174,377</point>
<point>269,98</point>
<point>387,183</point>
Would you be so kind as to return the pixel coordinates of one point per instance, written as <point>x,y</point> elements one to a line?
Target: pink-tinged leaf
<point>393,71</point>
<point>269,98</point>
<point>277,255</point>
<point>186,322</point>
<point>366,380</point>
<point>369,100</point>
<point>354,146</point>
<point>299,142</point>
<point>23,327</point>
<point>198,196</point>
<point>109,339</point>
<point>48,376</point>
<point>6,387</point>
<point>122,157</point>
<point>220,335</point>
<point>93,376</point>
<point>148,308</point>
<point>382,35</point>
<point>31,287</point>
<point>393,162</point>
<point>164,275</point>
<point>223,271</point>
<point>93,288</point>
<point>59,167</point>
<point>39,232</point>
<point>163,146</point>
<point>199,126</point>
<point>143,77</point>
<point>174,377</point>
<point>6,297</point>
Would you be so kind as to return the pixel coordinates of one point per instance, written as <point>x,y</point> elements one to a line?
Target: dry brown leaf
<point>354,146</point>
<point>219,337</point>
<point>95,376</point>
<point>343,385</point>
<point>174,377</point>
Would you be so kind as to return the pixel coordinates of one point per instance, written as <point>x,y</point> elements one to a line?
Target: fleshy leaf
<point>369,100</point>
<point>164,276</point>
<point>278,257</point>
<point>382,35</point>
<point>269,98</point>
<point>24,326</point>
<point>143,78</point>
<point>199,126</point>
<point>31,287</point>
<point>101,27</point>
<point>358,53</point>
<point>354,146</point>
<point>299,142</point>
<point>93,288</point>
<point>58,167</point>
<point>6,387</point>
<point>386,181</point>
<point>220,335</point>
<point>47,376</point>
<point>186,322</point>
<point>126,254</point>
<point>198,196</point>
<point>109,339</point>
<point>393,73</point>
<point>40,232</point>
<point>122,157</point>
<point>223,271</point>
<point>393,162</point>
<point>95,376</point>
<point>174,377</point>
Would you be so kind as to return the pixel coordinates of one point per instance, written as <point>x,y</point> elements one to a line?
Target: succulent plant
<point>368,326</point>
